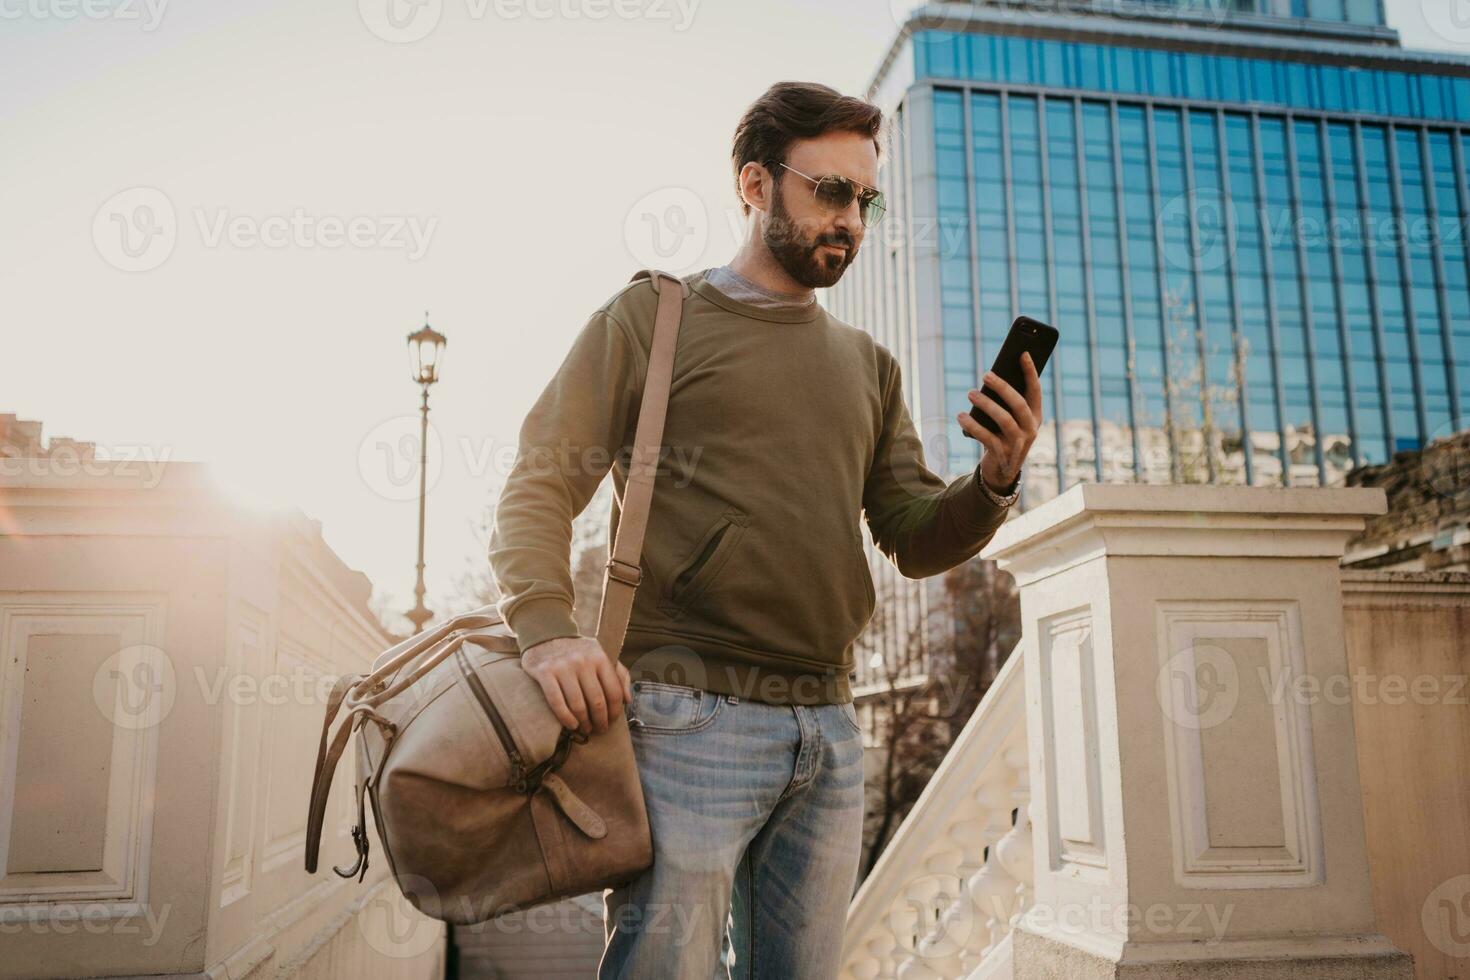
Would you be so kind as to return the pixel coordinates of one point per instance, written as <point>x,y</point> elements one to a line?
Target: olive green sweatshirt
<point>786,428</point>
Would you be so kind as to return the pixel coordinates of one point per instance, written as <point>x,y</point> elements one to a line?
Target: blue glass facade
<point>1253,283</point>
<point>1198,76</point>
<point>1258,266</point>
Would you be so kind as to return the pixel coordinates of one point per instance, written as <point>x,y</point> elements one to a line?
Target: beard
<point>801,257</point>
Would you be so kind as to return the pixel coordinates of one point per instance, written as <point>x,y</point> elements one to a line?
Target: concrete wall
<point>1408,641</point>
<point>163,659</point>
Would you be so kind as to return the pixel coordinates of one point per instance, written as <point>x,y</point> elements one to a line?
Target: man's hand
<point>1005,453</point>
<point>580,681</point>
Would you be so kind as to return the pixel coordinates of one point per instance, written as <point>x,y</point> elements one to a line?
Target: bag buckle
<point>530,781</point>
<point>616,565</point>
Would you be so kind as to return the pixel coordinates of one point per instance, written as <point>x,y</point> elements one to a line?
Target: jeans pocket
<point>660,708</point>
<point>848,710</point>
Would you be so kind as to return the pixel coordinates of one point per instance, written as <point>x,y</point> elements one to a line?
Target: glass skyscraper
<point>1247,219</point>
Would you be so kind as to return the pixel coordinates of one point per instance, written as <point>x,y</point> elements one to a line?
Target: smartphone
<point>1026,335</point>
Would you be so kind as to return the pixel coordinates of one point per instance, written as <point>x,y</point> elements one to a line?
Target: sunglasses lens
<point>873,210</point>
<point>834,192</point>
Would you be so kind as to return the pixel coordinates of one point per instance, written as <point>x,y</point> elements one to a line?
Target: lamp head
<point>426,353</point>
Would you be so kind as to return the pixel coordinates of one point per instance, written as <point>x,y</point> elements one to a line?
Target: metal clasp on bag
<point>635,576</point>
<point>530,781</point>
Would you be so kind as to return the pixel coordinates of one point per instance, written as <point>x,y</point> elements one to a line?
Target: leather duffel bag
<point>483,801</point>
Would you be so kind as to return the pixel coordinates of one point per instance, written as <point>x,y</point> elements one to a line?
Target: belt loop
<point>733,699</point>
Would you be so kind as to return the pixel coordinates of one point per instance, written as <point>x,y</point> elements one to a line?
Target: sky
<point>222,219</point>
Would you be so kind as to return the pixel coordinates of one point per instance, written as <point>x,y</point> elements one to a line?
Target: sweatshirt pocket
<point>698,569</point>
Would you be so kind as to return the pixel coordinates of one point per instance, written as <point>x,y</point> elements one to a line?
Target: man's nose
<point>850,220</point>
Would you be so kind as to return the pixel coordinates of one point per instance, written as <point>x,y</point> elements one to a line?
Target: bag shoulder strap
<point>619,583</point>
<point>623,572</point>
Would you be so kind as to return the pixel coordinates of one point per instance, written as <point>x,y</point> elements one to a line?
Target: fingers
<point>594,697</point>
<point>1033,386</point>
<point>1020,409</point>
<point>611,678</point>
<point>551,687</point>
<point>1010,431</point>
<point>570,683</point>
<point>975,430</point>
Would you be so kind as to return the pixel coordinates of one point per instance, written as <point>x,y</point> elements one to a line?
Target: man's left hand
<point>1005,453</point>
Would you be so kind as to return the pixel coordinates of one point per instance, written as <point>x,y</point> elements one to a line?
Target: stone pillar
<point>1196,801</point>
<point>164,656</point>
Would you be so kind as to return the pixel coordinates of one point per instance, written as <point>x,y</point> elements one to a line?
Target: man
<point>785,427</point>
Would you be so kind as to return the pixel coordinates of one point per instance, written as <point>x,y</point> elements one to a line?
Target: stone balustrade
<point>956,878</point>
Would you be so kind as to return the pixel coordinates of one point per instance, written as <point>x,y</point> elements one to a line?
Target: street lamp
<point>426,353</point>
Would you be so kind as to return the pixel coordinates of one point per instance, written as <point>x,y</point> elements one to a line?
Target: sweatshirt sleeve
<point>923,525</point>
<point>568,442</point>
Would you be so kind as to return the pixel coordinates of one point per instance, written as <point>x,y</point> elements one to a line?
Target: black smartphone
<point>1026,335</point>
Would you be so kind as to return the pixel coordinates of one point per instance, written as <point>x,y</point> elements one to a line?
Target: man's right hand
<point>581,683</point>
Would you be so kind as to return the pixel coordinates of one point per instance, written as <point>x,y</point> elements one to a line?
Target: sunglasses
<point>837,193</point>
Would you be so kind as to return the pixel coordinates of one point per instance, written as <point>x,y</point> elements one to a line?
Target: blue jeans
<point>756,812</point>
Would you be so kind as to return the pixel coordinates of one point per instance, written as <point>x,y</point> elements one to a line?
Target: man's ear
<point>755,186</point>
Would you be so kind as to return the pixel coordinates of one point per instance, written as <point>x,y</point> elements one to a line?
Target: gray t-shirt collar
<point>742,290</point>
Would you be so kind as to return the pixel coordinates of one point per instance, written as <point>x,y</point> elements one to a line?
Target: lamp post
<point>426,353</point>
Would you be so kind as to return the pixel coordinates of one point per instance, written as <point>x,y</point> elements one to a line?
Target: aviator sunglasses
<point>837,192</point>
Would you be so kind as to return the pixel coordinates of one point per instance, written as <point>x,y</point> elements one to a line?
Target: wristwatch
<point>1012,494</point>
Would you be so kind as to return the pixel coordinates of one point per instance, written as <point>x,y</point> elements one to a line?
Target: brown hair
<point>789,111</point>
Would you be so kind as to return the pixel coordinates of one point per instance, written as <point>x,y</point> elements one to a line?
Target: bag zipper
<point>517,764</point>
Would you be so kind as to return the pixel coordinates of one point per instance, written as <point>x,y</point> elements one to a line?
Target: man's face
<point>812,242</point>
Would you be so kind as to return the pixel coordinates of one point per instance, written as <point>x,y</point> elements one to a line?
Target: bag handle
<point>623,573</point>
<point>355,695</point>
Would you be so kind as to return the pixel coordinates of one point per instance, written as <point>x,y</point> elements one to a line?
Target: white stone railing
<point>956,877</point>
